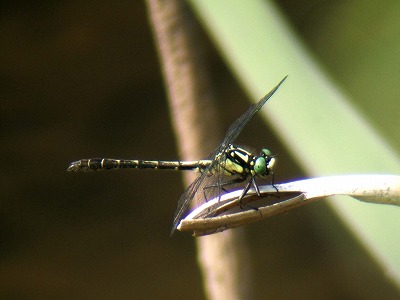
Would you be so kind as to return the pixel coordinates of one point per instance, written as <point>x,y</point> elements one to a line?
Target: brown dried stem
<point>226,273</point>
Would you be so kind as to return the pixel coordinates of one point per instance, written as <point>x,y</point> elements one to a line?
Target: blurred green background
<point>82,79</point>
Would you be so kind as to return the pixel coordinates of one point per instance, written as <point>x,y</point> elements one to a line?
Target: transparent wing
<point>204,187</point>
<point>238,125</point>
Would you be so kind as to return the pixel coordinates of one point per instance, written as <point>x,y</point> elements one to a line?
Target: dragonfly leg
<point>246,189</point>
<point>255,185</point>
<point>222,185</point>
<point>272,182</point>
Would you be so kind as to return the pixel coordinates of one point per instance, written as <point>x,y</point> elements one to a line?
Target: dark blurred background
<point>81,79</point>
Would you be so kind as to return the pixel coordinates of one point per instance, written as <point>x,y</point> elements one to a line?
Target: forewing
<point>239,124</point>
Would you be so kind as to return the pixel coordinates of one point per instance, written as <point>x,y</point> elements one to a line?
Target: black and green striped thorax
<point>238,161</point>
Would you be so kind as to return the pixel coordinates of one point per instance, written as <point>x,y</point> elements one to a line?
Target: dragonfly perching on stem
<point>227,165</point>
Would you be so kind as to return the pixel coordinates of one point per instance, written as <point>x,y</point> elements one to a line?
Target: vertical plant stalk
<point>223,258</point>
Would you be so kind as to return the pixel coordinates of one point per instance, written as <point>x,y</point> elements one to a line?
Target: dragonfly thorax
<point>241,162</point>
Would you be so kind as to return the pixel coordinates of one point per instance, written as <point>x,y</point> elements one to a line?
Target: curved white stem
<point>378,189</point>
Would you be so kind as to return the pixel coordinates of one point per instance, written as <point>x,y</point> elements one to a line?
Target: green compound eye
<point>260,165</point>
<point>266,152</point>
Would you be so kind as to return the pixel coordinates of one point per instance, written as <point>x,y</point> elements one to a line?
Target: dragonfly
<point>226,167</point>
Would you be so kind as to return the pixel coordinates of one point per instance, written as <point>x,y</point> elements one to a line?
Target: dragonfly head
<point>264,163</point>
